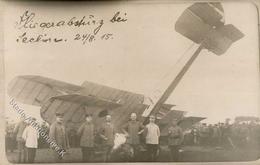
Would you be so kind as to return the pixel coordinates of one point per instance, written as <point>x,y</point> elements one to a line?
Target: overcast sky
<point>143,57</point>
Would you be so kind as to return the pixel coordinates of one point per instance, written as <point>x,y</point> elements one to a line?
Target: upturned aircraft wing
<point>74,107</point>
<point>35,90</point>
<point>57,96</point>
<point>131,102</point>
<point>106,92</point>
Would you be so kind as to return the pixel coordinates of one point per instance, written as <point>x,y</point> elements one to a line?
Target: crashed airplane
<point>207,30</point>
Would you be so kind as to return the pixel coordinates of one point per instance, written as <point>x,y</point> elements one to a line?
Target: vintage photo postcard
<point>131,81</point>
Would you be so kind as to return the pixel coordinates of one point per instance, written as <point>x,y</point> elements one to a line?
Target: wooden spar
<point>176,81</point>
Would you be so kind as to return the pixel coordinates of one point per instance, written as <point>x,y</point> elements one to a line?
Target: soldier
<point>195,136</point>
<point>244,134</point>
<point>10,139</point>
<point>59,136</point>
<point>175,139</point>
<point>226,134</point>
<point>19,128</point>
<point>86,132</point>
<point>215,135</point>
<point>152,138</point>
<point>133,129</point>
<point>107,133</point>
<point>30,136</point>
<point>42,142</point>
<point>204,134</point>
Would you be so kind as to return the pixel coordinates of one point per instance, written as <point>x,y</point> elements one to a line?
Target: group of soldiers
<point>88,133</point>
<point>238,134</point>
<point>140,138</point>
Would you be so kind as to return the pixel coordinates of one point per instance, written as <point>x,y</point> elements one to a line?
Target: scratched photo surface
<point>131,82</point>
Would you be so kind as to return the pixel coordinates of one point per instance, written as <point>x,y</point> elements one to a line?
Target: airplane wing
<point>106,92</point>
<point>184,122</point>
<point>187,122</point>
<point>165,121</point>
<point>35,90</point>
<point>164,111</point>
<point>53,95</point>
<point>74,107</point>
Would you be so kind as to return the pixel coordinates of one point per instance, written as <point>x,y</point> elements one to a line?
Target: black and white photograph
<point>131,81</point>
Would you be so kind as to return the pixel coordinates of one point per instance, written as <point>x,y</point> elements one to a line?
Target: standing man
<point>9,138</point>
<point>58,135</point>
<point>152,138</point>
<point>175,139</point>
<point>30,136</point>
<point>133,129</point>
<point>204,134</point>
<point>18,131</point>
<point>42,142</point>
<point>194,132</point>
<point>227,135</point>
<point>86,132</point>
<point>215,135</point>
<point>107,133</point>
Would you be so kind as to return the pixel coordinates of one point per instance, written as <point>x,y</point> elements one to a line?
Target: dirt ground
<point>188,154</point>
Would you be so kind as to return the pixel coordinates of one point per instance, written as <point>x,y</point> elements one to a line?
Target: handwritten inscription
<point>34,30</point>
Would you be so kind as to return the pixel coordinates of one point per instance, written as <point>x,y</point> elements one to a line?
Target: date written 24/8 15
<point>87,38</point>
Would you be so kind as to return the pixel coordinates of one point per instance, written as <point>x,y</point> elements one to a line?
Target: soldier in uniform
<point>10,139</point>
<point>215,135</point>
<point>86,132</point>
<point>42,142</point>
<point>58,134</point>
<point>204,134</point>
<point>19,128</point>
<point>175,139</point>
<point>133,129</point>
<point>107,133</point>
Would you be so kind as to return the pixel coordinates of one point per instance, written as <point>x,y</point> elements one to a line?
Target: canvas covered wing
<point>75,101</point>
<point>117,95</point>
<point>163,111</point>
<point>187,122</point>
<point>131,102</point>
<point>74,107</point>
<point>166,121</point>
<point>35,90</point>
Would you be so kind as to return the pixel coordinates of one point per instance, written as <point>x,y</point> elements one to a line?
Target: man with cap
<point>152,138</point>
<point>175,139</point>
<point>86,132</point>
<point>133,129</point>
<point>107,133</point>
<point>30,136</point>
<point>18,131</point>
<point>58,135</point>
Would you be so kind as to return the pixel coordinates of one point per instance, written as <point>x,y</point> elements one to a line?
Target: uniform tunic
<point>19,130</point>
<point>175,136</point>
<point>108,131</point>
<point>58,135</point>
<point>86,134</point>
<point>133,127</point>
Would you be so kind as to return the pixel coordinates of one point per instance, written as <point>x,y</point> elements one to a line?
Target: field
<point>188,154</point>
